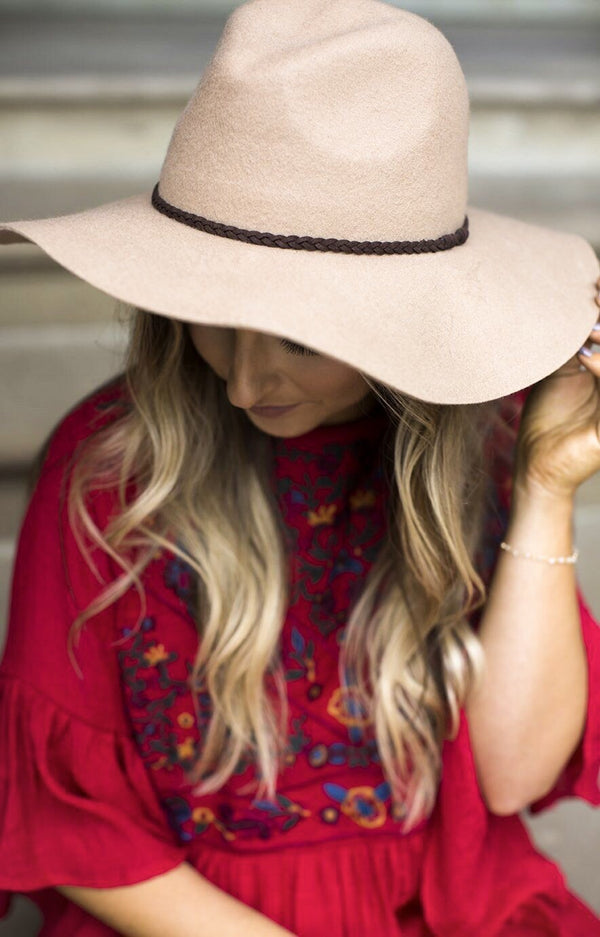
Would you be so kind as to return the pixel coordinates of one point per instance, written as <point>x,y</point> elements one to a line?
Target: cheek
<point>338,380</point>
<point>198,335</point>
<point>209,344</point>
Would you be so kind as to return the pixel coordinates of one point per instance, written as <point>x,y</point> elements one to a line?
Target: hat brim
<point>466,325</point>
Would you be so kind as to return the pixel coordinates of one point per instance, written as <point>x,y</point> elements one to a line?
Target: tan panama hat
<point>315,187</point>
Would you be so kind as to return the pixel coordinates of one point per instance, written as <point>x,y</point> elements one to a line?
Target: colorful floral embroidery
<point>283,808</point>
<point>362,499</point>
<point>298,740</point>
<point>325,514</point>
<point>180,578</point>
<point>145,669</point>
<point>319,508</point>
<point>345,706</point>
<point>365,806</point>
<point>337,753</point>
<point>303,653</point>
<point>156,655</point>
<point>333,503</point>
<point>262,818</point>
<point>202,817</point>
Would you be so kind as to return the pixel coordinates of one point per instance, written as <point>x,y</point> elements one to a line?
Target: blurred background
<point>88,99</point>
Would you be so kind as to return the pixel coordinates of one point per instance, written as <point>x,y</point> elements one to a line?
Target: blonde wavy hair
<point>201,471</point>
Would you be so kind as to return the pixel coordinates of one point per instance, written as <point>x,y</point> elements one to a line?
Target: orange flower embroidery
<point>345,706</point>
<point>204,816</point>
<point>362,499</point>
<point>296,808</point>
<point>155,654</point>
<point>162,762</point>
<point>324,514</point>
<point>364,807</point>
<point>186,749</point>
<point>185,720</point>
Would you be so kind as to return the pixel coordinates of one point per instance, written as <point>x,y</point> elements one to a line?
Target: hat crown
<point>342,119</point>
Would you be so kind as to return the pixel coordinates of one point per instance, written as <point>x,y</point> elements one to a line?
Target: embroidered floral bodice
<point>331,491</point>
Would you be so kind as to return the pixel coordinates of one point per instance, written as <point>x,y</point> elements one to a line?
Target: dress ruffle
<point>358,886</point>
<point>481,873</point>
<point>581,776</point>
<point>76,804</point>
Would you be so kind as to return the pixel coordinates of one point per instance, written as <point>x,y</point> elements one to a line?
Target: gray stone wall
<point>507,10</point>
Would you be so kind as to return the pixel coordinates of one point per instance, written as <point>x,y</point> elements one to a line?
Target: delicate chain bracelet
<point>542,559</point>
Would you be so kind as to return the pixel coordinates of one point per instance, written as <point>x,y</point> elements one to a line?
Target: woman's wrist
<point>541,520</point>
<point>528,489</point>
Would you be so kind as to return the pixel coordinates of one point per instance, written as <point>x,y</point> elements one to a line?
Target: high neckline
<point>370,426</point>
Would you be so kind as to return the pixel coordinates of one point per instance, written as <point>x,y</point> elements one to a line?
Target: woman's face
<point>263,370</point>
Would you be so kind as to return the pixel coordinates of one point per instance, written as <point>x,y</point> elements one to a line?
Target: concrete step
<point>35,290</point>
<point>95,41</point>
<point>59,338</point>
<point>44,369</point>
<point>14,494</point>
<point>24,919</point>
<point>570,834</point>
<point>479,10</point>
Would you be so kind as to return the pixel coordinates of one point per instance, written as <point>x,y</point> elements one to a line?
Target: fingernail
<point>585,351</point>
<point>596,328</point>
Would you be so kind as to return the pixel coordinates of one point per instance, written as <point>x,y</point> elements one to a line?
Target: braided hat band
<point>306,243</point>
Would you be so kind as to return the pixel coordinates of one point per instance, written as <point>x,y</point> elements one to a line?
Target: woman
<point>297,672</point>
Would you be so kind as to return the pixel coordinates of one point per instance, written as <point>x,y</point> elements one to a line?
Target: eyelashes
<point>294,349</point>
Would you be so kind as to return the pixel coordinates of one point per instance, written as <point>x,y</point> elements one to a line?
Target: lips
<point>272,411</point>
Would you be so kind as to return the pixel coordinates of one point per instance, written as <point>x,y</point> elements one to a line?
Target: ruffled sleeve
<point>481,874</point>
<point>581,776</point>
<point>76,803</point>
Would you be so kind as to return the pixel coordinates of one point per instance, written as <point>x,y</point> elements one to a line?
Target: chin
<point>276,427</point>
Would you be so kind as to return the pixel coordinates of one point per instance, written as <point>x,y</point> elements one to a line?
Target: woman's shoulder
<point>53,582</point>
<point>86,416</point>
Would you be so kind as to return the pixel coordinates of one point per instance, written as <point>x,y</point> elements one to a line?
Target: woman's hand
<point>559,438</point>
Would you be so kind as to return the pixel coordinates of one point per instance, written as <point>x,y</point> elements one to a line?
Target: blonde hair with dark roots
<point>201,470</point>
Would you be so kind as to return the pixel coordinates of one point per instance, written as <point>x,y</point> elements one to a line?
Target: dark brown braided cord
<point>306,243</point>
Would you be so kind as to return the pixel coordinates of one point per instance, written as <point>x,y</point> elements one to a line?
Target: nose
<point>250,377</point>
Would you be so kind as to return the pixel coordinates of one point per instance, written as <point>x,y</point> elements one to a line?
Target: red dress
<point>92,789</point>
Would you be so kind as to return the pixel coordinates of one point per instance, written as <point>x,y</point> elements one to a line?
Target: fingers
<point>590,360</point>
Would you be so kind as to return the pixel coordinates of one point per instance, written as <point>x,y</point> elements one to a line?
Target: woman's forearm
<point>179,903</point>
<point>527,715</point>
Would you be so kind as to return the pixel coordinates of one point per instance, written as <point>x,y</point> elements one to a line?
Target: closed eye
<point>295,349</point>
